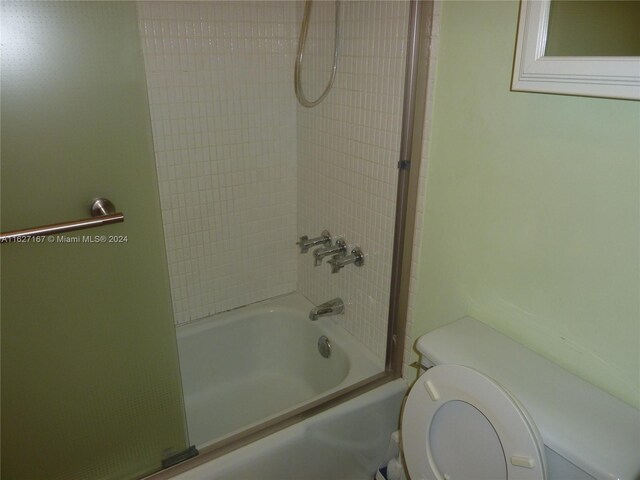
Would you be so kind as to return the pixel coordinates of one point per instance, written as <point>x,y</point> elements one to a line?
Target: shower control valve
<point>356,257</point>
<point>306,243</point>
<point>340,248</point>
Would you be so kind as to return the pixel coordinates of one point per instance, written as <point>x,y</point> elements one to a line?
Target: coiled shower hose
<point>299,57</point>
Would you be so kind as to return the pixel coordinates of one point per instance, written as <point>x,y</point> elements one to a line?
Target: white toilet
<point>487,408</point>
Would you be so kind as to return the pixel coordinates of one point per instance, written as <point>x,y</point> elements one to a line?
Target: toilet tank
<point>583,427</point>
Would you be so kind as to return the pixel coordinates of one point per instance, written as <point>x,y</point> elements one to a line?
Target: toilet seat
<point>459,424</point>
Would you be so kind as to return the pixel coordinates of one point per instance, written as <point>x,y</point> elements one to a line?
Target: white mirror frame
<point>611,77</point>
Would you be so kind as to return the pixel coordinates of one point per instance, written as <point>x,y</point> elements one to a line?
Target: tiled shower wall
<point>244,170</point>
<point>348,150</point>
<point>224,128</point>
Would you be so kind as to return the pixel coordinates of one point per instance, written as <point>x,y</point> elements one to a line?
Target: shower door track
<point>409,164</point>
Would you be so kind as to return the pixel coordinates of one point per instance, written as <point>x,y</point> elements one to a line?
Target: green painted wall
<point>532,208</point>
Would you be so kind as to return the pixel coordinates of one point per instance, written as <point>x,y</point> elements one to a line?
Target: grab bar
<point>103,212</point>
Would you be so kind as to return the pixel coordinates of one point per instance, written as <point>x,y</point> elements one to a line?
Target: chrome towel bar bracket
<point>103,212</point>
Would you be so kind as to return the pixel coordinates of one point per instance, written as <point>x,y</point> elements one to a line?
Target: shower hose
<point>300,55</point>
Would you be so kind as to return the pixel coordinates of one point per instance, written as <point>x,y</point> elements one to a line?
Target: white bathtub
<point>346,442</point>
<point>244,366</point>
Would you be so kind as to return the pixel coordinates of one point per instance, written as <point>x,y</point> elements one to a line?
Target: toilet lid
<point>459,424</point>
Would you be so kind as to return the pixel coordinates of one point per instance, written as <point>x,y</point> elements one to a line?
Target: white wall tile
<point>348,150</point>
<point>223,120</point>
<point>244,170</point>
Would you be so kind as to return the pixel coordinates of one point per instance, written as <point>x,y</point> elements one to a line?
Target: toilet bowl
<point>489,408</point>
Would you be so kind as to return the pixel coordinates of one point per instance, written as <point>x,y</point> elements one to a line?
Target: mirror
<point>579,47</point>
<point>593,29</point>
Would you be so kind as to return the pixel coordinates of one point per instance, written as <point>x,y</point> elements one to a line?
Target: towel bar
<point>102,213</point>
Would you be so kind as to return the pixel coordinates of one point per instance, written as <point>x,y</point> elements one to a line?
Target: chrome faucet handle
<point>335,264</point>
<point>339,248</point>
<point>338,262</point>
<point>306,243</point>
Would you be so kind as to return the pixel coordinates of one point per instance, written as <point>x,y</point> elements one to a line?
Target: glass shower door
<point>90,376</point>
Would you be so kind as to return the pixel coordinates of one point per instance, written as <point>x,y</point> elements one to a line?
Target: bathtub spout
<point>332,307</point>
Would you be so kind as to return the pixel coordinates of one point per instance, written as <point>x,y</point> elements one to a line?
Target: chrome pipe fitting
<point>306,243</point>
<point>338,262</point>
<point>339,248</point>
